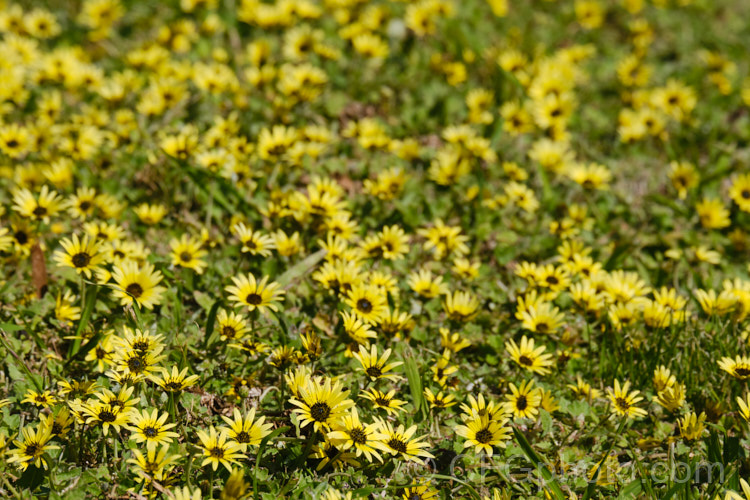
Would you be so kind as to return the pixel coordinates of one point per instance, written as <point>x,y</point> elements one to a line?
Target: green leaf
<point>211,323</point>
<point>88,309</point>
<point>93,341</point>
<point>674,489</point>
<point>631,490</point>
<point>300,268</point>
<point>713,446</point>
<point>546,420</point>
<point>592,481</point>
<point>549,479</point>
<point>31,478</point>
<point>415,380</point>
<point>10,327</point>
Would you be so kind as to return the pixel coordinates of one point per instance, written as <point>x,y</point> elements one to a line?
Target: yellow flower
<point>174,381</point>
<point>43,399</point>
<point>740,192</point>
<point>375,367</point>
<point>217,450</point>
<point>231,326</point>
<point>368,302</point>
<point>138,284</point>
<point>542,318</point>
<point>424,284</point>
<point>187,252</point>
<point>364,438</point>
<point>40,208</point>
<point>385,401</point>
<point>150,214</point>
<point>683,176</point>
<point>452,341</point>
<point>260,295</point>
<point>582,388</point>
<point>524,400</point>
<point>624,402</point>
<point>253,242</point>
<point>33,446</point>
<point>461,306</point>
<point>439,401</point>
<point>83,255</point>
<point>692,426</point>
<point>106,415</point>
<point>321,404</point>
<point>739,367</point>
<point>529,357</point>
<point>247,430</point>
<point>672,398</point>
<point>153,466</point>
<point>401,443</point>
<point>151,428</point>
<point>65,311</point>
<point>663,378</point>
<point>483,433</point>
<point>744,405</point>
<point>712,213</point>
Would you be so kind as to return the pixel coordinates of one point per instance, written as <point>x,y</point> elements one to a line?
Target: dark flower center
<point>150,432</point>
<point>525,361</point>
<point>484,436</point>
<point>81,259</point>
<point>216,452</point>
<point>242,437</point>
<point>84,205</point>
<point>522,403</point>
<point>228,332</point>
<point>186,257</point>
<point>21,237</point>
<point>134,289</point>
<point>320,412</point>
<point>622,404</point>
<point>358,435</point>
<point>173,386</point>
<point>397,445</point>
<point>40,211</point>
<point>364,305</point>
<point>745,194</point>
<point>742,372</point>
<point>135,364</point>
<point>107,416</point>
<point>253,299</point>
<point>32,449</point>
<point>374,371</point>
<point>141,345</point>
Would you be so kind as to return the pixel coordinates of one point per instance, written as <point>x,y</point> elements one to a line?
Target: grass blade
<point>547,475</point>
<point>88,309</point>
<point>414,379</point>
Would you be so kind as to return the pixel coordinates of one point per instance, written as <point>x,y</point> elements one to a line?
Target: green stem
<point>10,487</point>
<point>6,343</point>
<point>592,482</point>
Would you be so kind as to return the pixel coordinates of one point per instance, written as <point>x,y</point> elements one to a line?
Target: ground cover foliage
<point>374,249</point>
